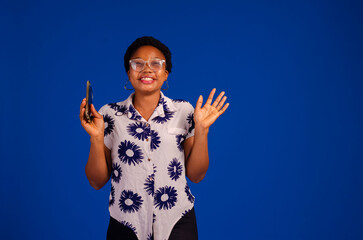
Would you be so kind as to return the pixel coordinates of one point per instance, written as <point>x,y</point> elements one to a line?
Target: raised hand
<point>96,127</point>
<point>205,116</point>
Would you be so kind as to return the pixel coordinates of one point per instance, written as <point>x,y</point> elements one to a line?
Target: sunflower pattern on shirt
<point>148,179</point>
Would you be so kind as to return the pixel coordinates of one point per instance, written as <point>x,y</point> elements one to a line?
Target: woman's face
<point>147,81</point>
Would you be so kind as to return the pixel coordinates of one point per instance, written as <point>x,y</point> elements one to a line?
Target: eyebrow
<point>150,58</point>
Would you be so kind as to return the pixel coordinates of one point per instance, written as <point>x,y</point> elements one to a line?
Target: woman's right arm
<point>98,167</point>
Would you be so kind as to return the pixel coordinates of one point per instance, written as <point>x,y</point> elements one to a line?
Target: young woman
<point>147,144</point>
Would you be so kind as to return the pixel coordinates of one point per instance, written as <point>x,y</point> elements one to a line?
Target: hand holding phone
<point>91,120</point>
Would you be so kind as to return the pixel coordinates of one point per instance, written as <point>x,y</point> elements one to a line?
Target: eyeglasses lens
<point>139,64</point>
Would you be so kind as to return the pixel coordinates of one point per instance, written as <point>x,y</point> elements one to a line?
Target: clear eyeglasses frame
<point>139,64</point>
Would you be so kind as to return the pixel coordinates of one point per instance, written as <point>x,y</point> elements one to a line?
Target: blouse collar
<point>165,105</point>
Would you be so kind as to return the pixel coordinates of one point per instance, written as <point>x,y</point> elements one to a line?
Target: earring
<point>125,86</point>
<point>167,86</point>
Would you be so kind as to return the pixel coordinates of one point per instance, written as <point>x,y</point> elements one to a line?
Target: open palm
<point>205,116</point>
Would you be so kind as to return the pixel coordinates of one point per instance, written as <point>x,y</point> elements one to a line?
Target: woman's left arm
<point>196,148</point>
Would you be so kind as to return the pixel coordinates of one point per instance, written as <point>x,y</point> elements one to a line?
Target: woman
<point>147,144</point>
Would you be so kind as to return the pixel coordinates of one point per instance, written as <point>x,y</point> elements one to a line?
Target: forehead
<point>147,52</point>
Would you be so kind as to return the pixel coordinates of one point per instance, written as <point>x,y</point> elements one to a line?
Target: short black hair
<point>147,41</point>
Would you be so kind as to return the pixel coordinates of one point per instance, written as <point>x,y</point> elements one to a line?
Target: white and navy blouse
<point>149,191</point>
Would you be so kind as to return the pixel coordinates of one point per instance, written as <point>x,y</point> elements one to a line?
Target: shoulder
<point>114,108</point>
<point>179,105</point>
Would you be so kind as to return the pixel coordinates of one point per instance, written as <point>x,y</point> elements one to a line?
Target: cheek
<point>163,76</point>
<point>132,76</point>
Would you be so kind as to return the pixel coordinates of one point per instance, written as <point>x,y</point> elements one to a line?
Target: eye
<point>138,62</point>
<point>156,63</point>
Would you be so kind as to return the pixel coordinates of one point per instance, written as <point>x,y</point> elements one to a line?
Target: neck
<point>146,104</point>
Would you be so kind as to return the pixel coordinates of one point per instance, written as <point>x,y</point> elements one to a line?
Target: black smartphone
<point>89,98</point>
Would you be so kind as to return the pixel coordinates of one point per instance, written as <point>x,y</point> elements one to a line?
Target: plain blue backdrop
<point>286,159</point>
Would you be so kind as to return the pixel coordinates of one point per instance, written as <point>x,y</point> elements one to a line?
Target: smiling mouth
<point>147,80</point>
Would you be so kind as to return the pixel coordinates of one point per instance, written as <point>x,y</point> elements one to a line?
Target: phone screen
<point>89,100</point>
<point>90,95</point>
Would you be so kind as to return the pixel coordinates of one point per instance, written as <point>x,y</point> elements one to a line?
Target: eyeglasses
<point>138,64</point>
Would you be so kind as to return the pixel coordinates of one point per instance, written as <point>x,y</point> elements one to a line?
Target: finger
<point>199,102</point>
<point>223,109</point>
<point>81,112</point>
<point>218,99</point>
<point>220,104</point>
<point>81,117</point>
<point>95,113</point>
<point>210,98</point>
<point>83,103</point>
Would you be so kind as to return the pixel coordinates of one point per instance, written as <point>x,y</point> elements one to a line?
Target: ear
<point>166,74</point>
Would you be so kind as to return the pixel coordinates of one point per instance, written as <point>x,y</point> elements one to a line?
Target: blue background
<point>285,159</point>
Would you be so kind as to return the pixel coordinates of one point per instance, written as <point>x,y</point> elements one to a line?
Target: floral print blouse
<point>149,191</point>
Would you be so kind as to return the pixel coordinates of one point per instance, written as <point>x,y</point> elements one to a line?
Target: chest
<point>151,137</point>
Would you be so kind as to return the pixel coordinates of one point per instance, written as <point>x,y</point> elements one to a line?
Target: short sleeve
<point>105,111</point>
<point>189,120</point>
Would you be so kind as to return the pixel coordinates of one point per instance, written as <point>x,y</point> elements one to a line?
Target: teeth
<point>147,78</point>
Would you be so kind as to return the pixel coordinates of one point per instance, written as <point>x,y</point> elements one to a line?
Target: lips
<point>147,80</point>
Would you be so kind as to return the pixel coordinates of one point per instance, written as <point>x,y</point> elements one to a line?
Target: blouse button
<point>147,139</point>
<point>149,159</point>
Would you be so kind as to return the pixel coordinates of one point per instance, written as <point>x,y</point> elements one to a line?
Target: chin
<point>147,90</point>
